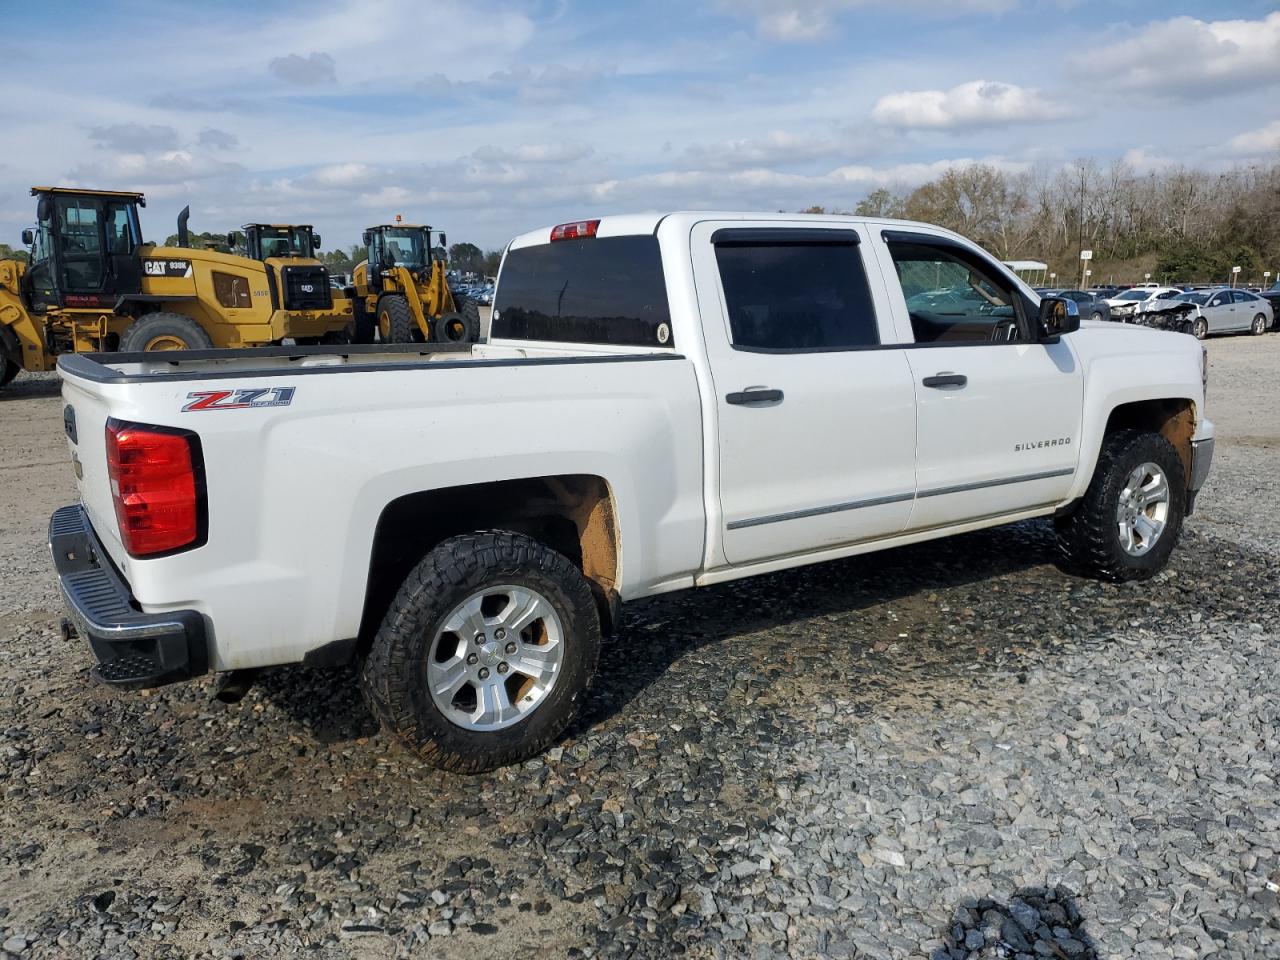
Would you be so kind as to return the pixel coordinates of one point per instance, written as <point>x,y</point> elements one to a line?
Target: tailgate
<point>85,409</point>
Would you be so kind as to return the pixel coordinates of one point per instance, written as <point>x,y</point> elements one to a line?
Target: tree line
<point>1178,224</point>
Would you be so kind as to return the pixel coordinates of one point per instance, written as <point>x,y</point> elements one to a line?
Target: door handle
<point>753,397</point>
<point>941,380</point>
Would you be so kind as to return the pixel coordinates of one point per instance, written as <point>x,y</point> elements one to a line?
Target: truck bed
<point>291,361</point>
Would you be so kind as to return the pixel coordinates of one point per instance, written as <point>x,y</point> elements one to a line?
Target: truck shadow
<point>656,633</point>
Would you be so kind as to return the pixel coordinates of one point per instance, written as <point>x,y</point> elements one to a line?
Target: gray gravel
<point>950,750</point>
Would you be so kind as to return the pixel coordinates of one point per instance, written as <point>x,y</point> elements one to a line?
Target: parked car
<point>1229,311</point>
<point>1104,292</point>
<point>1272,297</point>
<point>655,411</point>
<point>1091,307</point>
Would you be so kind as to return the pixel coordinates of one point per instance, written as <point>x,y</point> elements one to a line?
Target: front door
<point>998,414</point>
<point>815,418</point>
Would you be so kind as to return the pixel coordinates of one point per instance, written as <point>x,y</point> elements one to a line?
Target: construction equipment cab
<point>302,281</point>
<point>91,285</point>
<point>401,290</point>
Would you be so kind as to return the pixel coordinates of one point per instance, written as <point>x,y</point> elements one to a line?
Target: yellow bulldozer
<point>91,284</point>
<point>401,291</point>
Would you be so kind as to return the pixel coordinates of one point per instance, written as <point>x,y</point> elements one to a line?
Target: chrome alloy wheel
<point>1143,510</point>
<point>495,658</point>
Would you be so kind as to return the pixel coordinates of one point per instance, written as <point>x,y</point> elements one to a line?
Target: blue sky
<point>488,118</point>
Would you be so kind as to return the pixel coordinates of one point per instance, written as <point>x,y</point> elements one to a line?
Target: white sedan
<point>1228,311</point>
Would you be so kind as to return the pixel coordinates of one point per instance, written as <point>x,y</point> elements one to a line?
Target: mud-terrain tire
<point>164,331</point>
<point>396,318</point>
<point>1091,539</point>
<point>430,631</point>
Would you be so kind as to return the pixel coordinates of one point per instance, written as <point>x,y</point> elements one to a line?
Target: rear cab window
<point>599,290</point>
<point>795,290</point>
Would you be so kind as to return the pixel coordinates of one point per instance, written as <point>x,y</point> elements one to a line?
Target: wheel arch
<point>574,514</point>
<point>1173,417</point>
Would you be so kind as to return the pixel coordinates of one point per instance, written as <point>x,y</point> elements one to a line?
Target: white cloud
<point>135,136</point>
<point>1263,140</point>
<point>801,20</point>
<point>342,175</point>
<point>978,103</point>
<point>565,152</point>
<point>775,147</point>
<point>316,68</point>
<point>141,170</point>
<point>1192,59</point>
<point>217,139</point>
<point>1146,160</point>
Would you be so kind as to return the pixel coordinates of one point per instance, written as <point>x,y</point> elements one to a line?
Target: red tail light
<point>157,485</point>
<point>575,231</point>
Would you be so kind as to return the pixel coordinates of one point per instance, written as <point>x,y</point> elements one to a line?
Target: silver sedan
<point>1228,311</point>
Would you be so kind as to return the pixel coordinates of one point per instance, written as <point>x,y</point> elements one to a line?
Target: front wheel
<point>486,652</point>
<point>1200,329</point>
<point>395,320</point>
<point>1128,521</point>
<point>1259,325</point>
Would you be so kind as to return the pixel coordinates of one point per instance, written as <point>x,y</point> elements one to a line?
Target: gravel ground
<point>950,750</point>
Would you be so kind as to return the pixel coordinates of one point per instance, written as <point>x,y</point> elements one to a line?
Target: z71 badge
<point>250,399</point>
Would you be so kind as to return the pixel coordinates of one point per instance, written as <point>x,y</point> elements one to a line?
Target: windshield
<point>405,246</point>
<point>1133,295</point>
<point>1192,297</point>
<point>285,241</point>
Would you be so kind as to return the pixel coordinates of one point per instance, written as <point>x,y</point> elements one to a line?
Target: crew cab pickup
<point>664,402</point>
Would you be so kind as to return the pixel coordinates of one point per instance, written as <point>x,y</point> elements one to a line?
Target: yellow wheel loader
<point>92,285</point>
<point>401,292</point>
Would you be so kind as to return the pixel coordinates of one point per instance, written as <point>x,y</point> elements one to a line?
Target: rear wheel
<point>485,653</point>
<point>1127,524</point>
<point>1097,316</point>
<point>164,331</point>
<point>395,320</point>
<point>1259,325</point>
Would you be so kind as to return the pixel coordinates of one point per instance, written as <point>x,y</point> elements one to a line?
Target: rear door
<point>1246,308</point>
<point>1219,312</point>
<point>815,407</point>
<point>998,414</point>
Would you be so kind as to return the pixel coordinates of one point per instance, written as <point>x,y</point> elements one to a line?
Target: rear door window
<point>793,296</point>
<point>606,290</point>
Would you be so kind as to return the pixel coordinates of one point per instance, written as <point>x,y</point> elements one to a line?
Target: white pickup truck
<point>665,402</point>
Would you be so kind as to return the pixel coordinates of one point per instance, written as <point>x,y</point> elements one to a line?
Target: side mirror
<point>44,208</point>
<point>315,241</point>
<point>28,237</point>
<point>232,239</point>
<point>1058,316</point>
<point>367,237</point>
<point>444,241</point>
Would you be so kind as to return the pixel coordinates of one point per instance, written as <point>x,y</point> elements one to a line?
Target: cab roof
<point>85,191</point>
<point>398,226</point>
<point>279,226</point>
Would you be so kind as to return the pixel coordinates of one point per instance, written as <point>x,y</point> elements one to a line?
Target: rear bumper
<point>133,649</point>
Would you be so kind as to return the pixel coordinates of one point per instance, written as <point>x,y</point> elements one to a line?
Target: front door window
<point>80,239</point>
